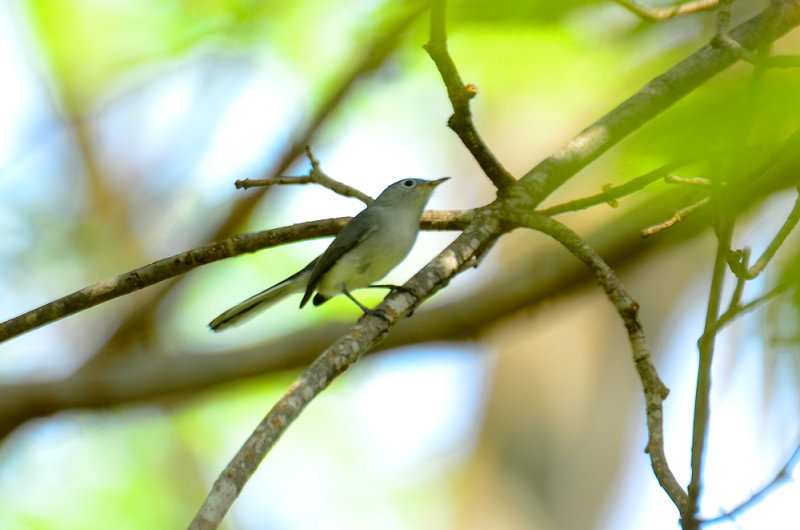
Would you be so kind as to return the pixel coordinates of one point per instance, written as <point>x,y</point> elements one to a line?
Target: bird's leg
<point>367,311</point>
<point>393,288</point>
<point>398,289</point>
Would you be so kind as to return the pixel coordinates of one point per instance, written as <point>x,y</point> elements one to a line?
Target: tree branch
<point>613,193</point>
<point>461,120</point>
<point>652,99</point>
<point>539,277</point>
<point>676,218</point>
<point>654,389</point>
<point>178,264</point>
<point>739,259</point>
<point>663,13</point>
<point>315,176</point>
<point>705,347</point>
<point>723,39</point>
<point>736,310</point>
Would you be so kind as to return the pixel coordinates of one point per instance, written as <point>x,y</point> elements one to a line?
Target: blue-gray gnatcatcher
<point>364,251</point>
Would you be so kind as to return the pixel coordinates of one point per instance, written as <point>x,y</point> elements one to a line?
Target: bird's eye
<point>408,183</point>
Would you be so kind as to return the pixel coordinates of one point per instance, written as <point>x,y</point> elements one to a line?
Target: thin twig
<point>611,194</point>
<point>723,17</point>
<point>697,181</point>
<point>679,216</point>
<point>460,95</point>
<point>654,389</point>
<point>315,176</point>
<point>739,260</point>
<point>739,309</point>
<point>736,296</point>
<point>664,13</point>
<point>705,346</point>
<point>723,38</point>
<point>783,474</point>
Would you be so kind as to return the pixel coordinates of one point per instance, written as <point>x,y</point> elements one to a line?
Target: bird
<point>364,251</point>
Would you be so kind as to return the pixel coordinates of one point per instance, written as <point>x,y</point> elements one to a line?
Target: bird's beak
<point>434,183</point>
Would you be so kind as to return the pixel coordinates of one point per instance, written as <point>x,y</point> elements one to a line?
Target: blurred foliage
<point>511,12</point>
<point>173,100</point>
<point>90,44</point>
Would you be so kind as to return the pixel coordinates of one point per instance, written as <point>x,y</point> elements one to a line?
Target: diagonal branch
<point>676,218</point>
<point>652,99</point>
<point>460,95</point>
<point>164,269</point>
<point>737,309</point>
<point>611,194</point>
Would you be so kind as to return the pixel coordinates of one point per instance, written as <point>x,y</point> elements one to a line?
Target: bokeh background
<point>125,124</point>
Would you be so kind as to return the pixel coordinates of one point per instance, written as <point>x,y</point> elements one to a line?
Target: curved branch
<point>655,391</point>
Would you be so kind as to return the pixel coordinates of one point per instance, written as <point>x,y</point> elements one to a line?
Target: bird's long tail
<point>244,311</point>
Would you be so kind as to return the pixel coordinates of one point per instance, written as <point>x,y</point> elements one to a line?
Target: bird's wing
<point>352,235</point>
